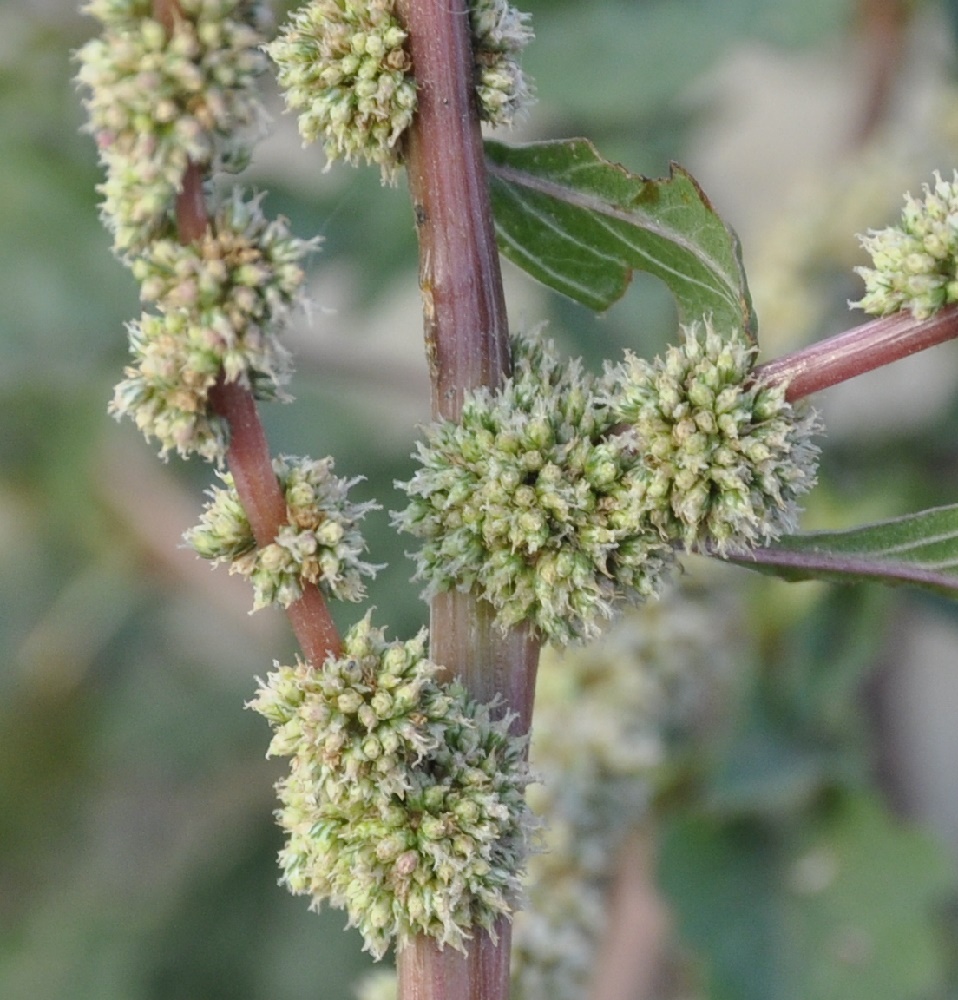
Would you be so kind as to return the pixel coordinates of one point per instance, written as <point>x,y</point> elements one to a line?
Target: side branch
<point>863,348</point>
<point>248,456</point>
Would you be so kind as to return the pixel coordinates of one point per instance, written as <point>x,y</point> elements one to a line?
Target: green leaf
<point>581,225</point>
<point>846,907</point>
<point>917,549</point>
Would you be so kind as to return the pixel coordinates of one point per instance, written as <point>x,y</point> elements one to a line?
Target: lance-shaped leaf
<point>582,225</point>
<point>918,549</point>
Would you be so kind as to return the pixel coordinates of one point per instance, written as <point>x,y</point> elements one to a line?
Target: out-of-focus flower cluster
<point>726,457</point>
<point>532,500</point>
<point>220,301</point>
<point>320,544</point>
<point>404,804</point>
<point>915,264</point>
<point>611,719</point>
<point>345,69</point>
<point>158,99</point>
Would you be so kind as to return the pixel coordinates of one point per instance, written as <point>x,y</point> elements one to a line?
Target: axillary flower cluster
<point>345,69</point>
<point>915,262</point>
<point>561,495</point>
<point>163,99</point>
<point>405,803</point>
<point>320,544</point>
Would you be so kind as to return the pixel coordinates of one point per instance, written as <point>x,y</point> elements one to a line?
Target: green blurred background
<point>137,849</point>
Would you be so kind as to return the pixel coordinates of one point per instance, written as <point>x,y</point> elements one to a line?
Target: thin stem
<point>861,349</point>
<point>467,346</point>
<point>248,457</point>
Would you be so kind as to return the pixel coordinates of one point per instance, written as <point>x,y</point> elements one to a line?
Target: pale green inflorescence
<point>157,101</point>
<point>726,456</point>
<point>221,300</point>
<point>500,32</point>
<point>343,66</point>
<point>320,544</point>
<point>533,501</point>
<point>404,804</point>
<point>916,262</point>
<point>346,71</point>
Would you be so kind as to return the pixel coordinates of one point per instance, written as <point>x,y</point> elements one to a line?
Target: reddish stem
<point>250,463</point>
<point>467,345</point>
<point>464,311</point>
<point>248,457</point>
<point>863,348</point>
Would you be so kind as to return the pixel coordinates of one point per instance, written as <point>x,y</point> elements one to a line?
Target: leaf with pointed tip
<point>581,225</point>
<point>917,549</point>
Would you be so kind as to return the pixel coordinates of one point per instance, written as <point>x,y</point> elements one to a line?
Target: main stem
<point>467,346</point>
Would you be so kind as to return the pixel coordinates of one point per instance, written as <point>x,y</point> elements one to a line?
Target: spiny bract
<point>532,500</point>
<point>404,804</point>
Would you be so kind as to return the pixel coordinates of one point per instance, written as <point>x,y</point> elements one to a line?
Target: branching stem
<point>862,349</point>
<point>248,457</point>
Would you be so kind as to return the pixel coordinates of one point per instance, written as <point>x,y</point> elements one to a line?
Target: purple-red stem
<point>467,346</point>
<point>862,349</point>
<point>248,457</point>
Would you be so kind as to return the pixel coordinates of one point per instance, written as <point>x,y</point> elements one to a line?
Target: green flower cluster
<point>404,804</point>
<point>534,501</point>
<point>915,263</point>
<point>500,33</point>
<point>611,719</point>
<point>321,543</point>
<point>344,68</point>
<point>159,100</point>
<point>220,299</point>
<point>726,457</point>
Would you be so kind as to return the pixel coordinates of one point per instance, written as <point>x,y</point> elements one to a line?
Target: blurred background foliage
<point>807,847</point>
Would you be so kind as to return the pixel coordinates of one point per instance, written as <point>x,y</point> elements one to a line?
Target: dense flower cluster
<point>344,67</point>
<point>158,99</point>
<point>220,301</point>
<point>726,456</point>
<point>404,804</point>
<point>321,543</point>
<point>500,33</point>
<point>915,263</point>
<point>611,720</point>
<point>533,501</point>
